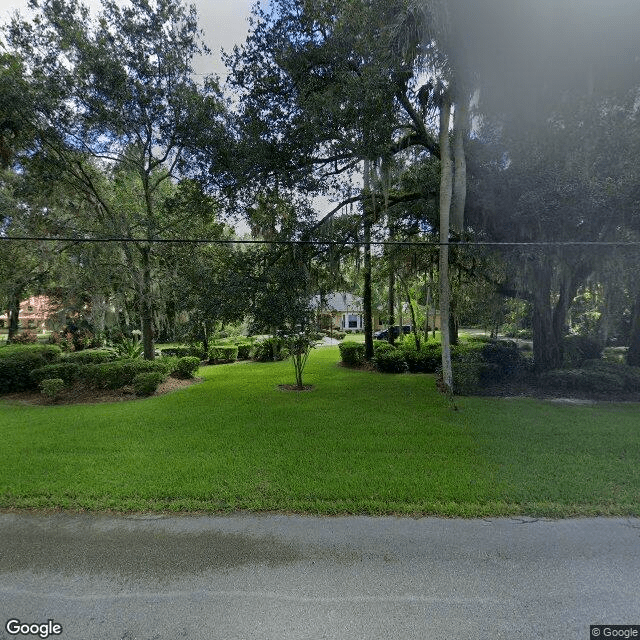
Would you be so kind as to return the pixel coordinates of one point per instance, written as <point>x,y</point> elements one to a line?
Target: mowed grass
<point>359,442</point>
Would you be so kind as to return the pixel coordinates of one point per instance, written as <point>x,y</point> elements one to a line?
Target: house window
<point>353,322</point>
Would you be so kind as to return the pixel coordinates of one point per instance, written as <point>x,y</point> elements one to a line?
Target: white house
<point>345,312</point>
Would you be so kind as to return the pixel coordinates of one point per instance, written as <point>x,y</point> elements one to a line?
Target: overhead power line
<point>404,243</point>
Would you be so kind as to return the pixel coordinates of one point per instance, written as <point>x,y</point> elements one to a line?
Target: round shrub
<point>390,361</point>
<point>380,346</point>
<point>352,353</point>
<point>146,383</point>
<point>186,367</point>
<point>17,362</point>
<point>51,387</point>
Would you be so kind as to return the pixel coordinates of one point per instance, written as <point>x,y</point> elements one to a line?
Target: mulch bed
<point>82,394</point>
<point>293,387</point>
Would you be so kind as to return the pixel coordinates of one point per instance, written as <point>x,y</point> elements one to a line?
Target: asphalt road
<point>287,577</point>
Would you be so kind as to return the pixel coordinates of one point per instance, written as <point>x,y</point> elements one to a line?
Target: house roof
<point>339,302</point>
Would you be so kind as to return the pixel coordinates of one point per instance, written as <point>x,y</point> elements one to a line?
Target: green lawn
<point>359,443</point>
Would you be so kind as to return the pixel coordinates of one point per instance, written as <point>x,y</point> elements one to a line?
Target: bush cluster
<point>244,350</point>
<point>389,360</point>
<point>17,362</point>
<point>425,360</point>
<point>180,352</point>
<point>223,354</point>
<point>577,349</point>
<point>352,353</point>
<point>270,350</point>
<point>474,363</point>
<point>146,384</point>
<point>114,375</point>
<point>596,376</point>
<point>25,337</point>
<point>51,387</point>
<point>186,367</point>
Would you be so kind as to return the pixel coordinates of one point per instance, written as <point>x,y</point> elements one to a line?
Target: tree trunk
<point>549,319</point>
<point>414,323</point>
<point>460,127</point>
<point>633,355</point>
<point>14,314</point>
<point>446,179</point>
<point>146,308</point>
<point>392,301</point>
<point>400,315</point>
<point>427,295</point>
<point>366,297</point>
<point>205,340</point>
<point>98,315</point>
<point>453,328</point>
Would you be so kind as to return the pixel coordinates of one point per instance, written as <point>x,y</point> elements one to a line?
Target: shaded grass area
<point>359,443</point>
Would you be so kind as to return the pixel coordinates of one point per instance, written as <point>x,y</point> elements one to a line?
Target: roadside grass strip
<point>358,443</point>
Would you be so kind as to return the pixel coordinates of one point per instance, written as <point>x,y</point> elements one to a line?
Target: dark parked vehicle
<point>395,332</point>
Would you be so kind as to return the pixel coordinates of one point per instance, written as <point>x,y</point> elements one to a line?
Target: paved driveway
<point>271,577</point>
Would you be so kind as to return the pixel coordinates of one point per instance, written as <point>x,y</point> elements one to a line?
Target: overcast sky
<point>224,23</point>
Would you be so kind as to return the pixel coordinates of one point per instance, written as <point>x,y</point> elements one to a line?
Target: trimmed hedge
<point>221,354</point>
<point>67,371</point>
<point>352,353</point>
<point>50,352</point>
<point>114,375</point>
<point>186,367</point>
<point>425,360</point>
<point>146,384</point>
<point>17,362</point>
<point>597,376</point>
<point>390,361</point>
<point>244,350</point>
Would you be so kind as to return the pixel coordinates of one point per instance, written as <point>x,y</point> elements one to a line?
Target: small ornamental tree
<point>299,346</point>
